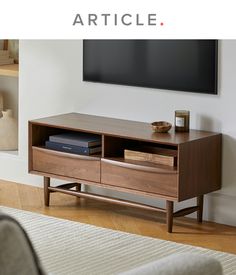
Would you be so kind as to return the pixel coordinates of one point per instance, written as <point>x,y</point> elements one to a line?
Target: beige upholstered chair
<point>17,255</point>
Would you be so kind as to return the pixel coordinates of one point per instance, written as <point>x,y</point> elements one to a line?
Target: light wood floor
<point>147,223</point>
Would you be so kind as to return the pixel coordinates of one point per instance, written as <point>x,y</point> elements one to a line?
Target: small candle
<point>182,121</point>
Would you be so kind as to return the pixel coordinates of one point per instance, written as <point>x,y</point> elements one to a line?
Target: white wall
<point>47,83</point>
<point>51,83</point>
<point>208,112</point>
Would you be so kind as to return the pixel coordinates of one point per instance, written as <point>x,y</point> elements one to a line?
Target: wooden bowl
<point>161,126</point>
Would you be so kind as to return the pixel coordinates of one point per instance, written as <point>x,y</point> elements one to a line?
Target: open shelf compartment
<point>117,149</point>
<point>41,133</point>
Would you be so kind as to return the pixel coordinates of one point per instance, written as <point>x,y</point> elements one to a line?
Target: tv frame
<point>199,91</point>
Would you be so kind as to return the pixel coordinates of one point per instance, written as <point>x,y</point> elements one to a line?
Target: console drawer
<point>65,164</point>
<point>142,178</point>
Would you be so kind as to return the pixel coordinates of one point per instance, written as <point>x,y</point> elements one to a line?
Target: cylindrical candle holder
<point>182,120</point>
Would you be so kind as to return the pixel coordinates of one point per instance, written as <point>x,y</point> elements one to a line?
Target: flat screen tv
<point>184,65</point>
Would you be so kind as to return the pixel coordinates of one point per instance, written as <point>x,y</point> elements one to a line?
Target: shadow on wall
<point>228,150</point>
<point>217,202</point>
<point>223,204</point>
<point>228,162</point>
<point>221,208</point>
<point>208,123</point>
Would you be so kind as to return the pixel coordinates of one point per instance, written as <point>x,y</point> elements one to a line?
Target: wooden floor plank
<point>147,223</point>
<point>9,194</point>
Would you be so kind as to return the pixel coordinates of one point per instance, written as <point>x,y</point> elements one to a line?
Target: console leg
<point>169,215</point>
<point>200,210</point>
<point>46,191</point>
<point>78,187</point>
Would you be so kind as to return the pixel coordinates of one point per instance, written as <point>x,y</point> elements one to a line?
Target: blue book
<point>77,139</point>
<point>73,149</point>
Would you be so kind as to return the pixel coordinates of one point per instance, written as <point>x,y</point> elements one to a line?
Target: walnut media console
<point>197,170</point>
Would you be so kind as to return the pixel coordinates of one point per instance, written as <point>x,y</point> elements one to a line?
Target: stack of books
<point>75,143</point>
<point>5,58</point>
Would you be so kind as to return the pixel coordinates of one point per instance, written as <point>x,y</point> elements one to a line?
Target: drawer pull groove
<point>63,154</point>
<point>138,167</point>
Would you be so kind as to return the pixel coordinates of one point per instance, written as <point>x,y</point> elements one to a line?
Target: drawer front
<point>64,164</point>
<point>136,178</point>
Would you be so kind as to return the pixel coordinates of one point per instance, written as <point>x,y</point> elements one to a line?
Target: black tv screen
<point>185,65</point>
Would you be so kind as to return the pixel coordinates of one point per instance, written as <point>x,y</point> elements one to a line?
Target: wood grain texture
<point>150,181</point>
<point>9,70</point>
<point>105,199</point>
<point>141,165</point>
<point>199,167</point>
<point>104,186</point>
<point>64,164</point>
<point>149,157</point>
<point>128,219</point>
<point>169,215</point>
<point>46,182</point>
<point>185,211</point>
<point>119,128</point>
<point>200,200</point>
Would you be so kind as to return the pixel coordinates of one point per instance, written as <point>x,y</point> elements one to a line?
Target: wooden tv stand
<point>197,170</point>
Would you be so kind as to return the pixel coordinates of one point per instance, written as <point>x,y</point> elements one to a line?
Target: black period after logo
<point>109,19</point>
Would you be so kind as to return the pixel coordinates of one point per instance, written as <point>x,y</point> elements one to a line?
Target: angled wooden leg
<point>200,210</point>
<point>46,191</point>
<point>78,187</point>
<point>169,215</point>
